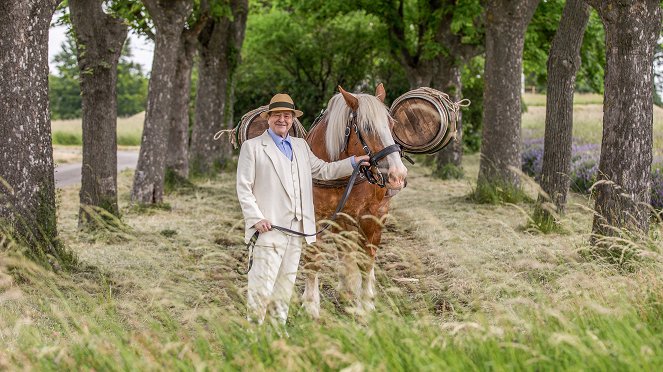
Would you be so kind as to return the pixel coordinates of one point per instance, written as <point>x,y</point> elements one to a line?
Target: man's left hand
<point>362,160</point>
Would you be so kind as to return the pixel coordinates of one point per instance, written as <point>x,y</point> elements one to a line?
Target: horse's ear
<point>380,93</point>
<point>351,100</point>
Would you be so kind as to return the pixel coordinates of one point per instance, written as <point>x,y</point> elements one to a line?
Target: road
<point>69,174</point>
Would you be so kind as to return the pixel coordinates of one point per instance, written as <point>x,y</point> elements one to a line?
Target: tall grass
<point>461,286</point>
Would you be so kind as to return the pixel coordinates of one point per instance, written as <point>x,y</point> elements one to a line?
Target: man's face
<point>280,122</point>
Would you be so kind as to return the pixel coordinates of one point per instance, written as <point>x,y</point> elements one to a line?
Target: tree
<point>65,91</point>
<point>539,36</point>
<point>220,44</point>
<point>563,64</point>
<point>623,190</point>
<point>27,185</point>
<point>100,37</point>
<point>307,51</point>
<point>177,160</point>
<point>460,41</point>
<point>131,84</point>
<point>64,88</point>
<point>169,19</point>
<point>506,22</point>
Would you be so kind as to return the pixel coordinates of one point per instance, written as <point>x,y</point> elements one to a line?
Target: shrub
<point>585,168</point>
<point>65,138</point>
<point>657,187</point>
<point>128,139</point>
<point>449,172</point>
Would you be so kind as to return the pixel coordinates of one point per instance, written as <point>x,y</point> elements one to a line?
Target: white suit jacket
<point>261,182</point>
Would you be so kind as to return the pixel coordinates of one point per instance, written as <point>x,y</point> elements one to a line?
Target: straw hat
<point>281,102</point>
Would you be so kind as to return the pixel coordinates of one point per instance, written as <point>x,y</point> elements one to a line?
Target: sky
<point>141,48</point>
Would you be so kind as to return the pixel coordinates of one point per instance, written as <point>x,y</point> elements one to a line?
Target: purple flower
<point>585,167</point>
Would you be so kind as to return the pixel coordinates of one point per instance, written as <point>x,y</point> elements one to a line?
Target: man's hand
<point>263,226</point>
<point>362,160</point>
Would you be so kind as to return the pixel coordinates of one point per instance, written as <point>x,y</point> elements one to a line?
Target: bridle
<point>376,178</point>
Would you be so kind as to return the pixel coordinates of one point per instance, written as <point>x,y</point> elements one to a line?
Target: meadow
<point>70,132</point>
<point>461,286</point>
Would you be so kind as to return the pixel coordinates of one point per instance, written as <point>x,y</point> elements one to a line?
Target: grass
<point>461,286</point>
<point>70,133</point>
<point>587,123</point>
<point>535,99</point>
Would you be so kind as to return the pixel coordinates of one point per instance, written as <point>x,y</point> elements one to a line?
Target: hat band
<point>281,104</point>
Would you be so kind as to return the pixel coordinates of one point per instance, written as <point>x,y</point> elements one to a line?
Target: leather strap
<point>254,238</point>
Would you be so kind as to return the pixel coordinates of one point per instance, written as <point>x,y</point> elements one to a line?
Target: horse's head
<point>360,124</point>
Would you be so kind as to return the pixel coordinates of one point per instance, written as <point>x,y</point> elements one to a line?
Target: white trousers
<point>272,277</point>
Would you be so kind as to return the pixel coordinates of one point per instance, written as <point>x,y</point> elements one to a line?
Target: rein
<point>252,242</point>
<point>365,170</point>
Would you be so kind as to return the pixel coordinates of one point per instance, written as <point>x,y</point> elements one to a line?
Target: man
<point>274,186</point>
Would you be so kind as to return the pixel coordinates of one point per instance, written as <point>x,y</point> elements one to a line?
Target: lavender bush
<point>585,167</point>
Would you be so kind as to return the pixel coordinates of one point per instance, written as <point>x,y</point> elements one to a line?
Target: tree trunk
<point>448,80</point>
<point>169,19</point>
<point>99,39</point>
<point>563,64</point>
<point>421,74</point>
<point>27,184</point>
<point>632,29</point>
<point>178,134</point>
<point>220,44</point>
<point>506,22</point>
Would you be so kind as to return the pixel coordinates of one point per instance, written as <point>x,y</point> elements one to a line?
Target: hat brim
<point>265,114</point>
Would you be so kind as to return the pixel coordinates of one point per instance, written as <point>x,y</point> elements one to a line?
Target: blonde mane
<point>372,116</point>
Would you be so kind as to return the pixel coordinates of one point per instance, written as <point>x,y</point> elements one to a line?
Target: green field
<point>587,120</point>
<point>70,132</point>
<point>461,286</point>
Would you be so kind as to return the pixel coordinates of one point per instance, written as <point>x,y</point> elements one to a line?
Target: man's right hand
<point>263,226</point>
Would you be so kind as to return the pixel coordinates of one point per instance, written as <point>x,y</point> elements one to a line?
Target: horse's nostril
<point>405,182</point>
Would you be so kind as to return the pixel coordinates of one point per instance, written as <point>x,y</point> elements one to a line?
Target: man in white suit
<point>274,186</point>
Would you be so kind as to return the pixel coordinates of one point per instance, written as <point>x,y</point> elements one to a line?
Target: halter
<point>367,170</point>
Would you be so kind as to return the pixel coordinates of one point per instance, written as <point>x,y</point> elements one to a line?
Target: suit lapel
<point>279,165</point>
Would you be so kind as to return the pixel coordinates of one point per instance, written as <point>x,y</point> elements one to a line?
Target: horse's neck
<point>316,140</point>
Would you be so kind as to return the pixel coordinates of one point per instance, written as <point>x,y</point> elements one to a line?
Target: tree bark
<point>506,22</point>
<point>563,64</point>
<point>169,19</point>
<point>178,134</point>
<point>99,39</point>
<point>27,185</point>
<point>623,192</point>
<point>220,44</point>
<point>449,81</point>
<point>420,74</point>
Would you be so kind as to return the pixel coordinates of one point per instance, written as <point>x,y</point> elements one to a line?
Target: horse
<point>354,124</point>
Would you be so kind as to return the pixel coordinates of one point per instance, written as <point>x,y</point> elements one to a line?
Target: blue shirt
<point>285,146</point>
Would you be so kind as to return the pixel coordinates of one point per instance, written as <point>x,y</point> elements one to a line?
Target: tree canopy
<point>64,87</point>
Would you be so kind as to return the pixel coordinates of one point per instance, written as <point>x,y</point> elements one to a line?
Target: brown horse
<point>337,137</point>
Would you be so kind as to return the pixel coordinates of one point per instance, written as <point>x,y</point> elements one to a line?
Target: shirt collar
<point>278,139</point>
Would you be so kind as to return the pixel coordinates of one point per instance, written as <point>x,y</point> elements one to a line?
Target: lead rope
<point>254,238</point>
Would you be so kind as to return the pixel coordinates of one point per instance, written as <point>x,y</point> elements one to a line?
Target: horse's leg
<point>311,296</point>
<point>349,274</point>
<point>372,231</point>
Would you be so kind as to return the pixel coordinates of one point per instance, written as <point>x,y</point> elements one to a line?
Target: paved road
<point>69,174</point>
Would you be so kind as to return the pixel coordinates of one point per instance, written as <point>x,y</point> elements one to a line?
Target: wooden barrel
<point>425,120</point>
<point>252,125</point>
